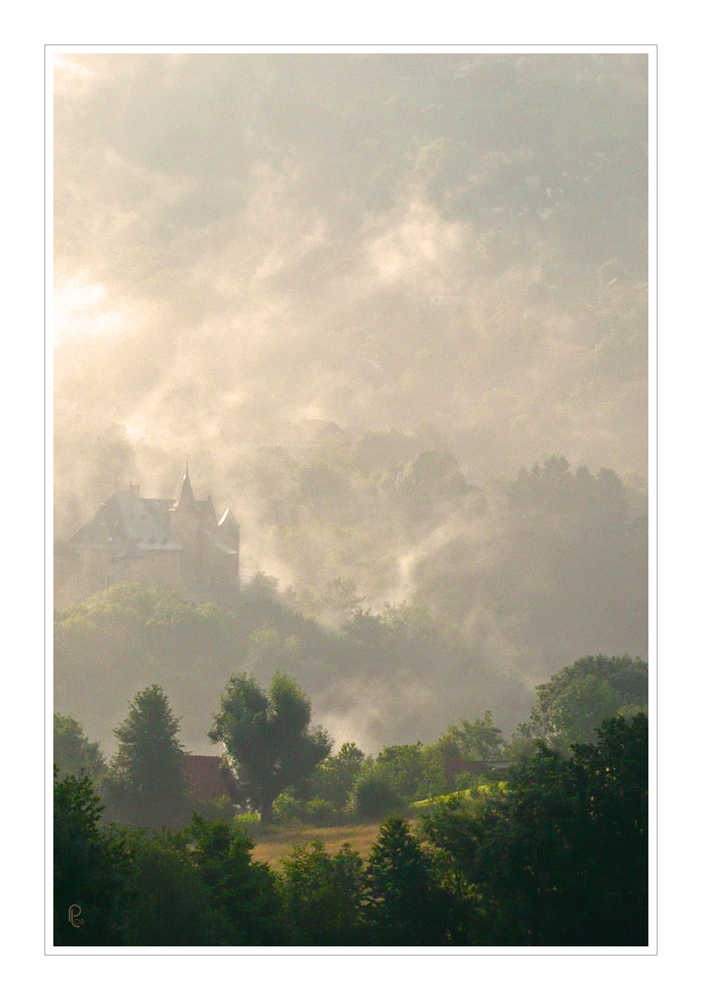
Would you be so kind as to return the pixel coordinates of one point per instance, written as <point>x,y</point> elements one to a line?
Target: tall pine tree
<point>147,781</point>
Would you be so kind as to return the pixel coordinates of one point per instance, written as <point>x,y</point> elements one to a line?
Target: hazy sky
<point>379,240</point>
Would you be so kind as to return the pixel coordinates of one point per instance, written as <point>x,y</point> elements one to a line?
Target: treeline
<point>540,839</point>
<point>285,769</point>
<point>556,856</point>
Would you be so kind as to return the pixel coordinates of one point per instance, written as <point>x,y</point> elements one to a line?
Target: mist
<point>307,272</point>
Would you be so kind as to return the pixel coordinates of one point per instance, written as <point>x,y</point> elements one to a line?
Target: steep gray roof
<point>186,498</point>
<point>126,523</point>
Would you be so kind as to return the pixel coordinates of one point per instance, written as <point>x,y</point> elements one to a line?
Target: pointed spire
<point>186,499</point>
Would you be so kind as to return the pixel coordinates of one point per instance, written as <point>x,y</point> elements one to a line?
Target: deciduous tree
<point>74,752</point>
<point>573,704</point>
<point>322,894</point>
<point>268,736</point>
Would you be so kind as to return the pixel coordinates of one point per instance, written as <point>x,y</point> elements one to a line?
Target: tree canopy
<point>561,856</point>
<point>268,736</point>
<point>556,854</point>
<point>74,752</point>
<point>575,701</point>
<point>334,778</point>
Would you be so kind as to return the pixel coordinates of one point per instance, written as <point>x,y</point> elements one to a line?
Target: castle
<point>177,544</point>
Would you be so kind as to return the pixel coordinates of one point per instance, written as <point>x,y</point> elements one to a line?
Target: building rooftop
<point>126,523</point>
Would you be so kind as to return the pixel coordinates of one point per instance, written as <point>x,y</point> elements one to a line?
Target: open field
<point>276,843</point>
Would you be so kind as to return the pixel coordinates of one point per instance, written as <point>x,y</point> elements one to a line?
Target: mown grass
<point>463,797</point>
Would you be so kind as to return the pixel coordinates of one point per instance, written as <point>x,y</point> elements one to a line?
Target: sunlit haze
<point>307,272</point>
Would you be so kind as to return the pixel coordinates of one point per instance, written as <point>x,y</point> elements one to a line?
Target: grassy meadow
<point>274,844</point>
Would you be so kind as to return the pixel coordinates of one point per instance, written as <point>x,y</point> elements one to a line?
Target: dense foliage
<point>150,636</point>
<point>89,868</point>
<point>146,782</point>
<point>560,858</point>
<point>322,895</point>
<point>556,855</point>
<point>268,736</point>
<point>572,705</point>
<point>74,753</point>
<point>196,886</point>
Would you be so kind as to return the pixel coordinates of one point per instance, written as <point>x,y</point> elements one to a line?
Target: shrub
<point>320,812</point>
<point>374,798</point>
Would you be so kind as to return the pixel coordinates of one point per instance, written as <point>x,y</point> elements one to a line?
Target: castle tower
<point>186,499</point>
<point>229,533</point>
<point>178,544</point>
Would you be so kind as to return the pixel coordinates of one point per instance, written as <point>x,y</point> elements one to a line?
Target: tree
<point>89,867</point>
<point>573,704</point>
<point>322,895</point>
<point>433,477</point>
<point>74,752</point>
<point>613,781</point>
<point>147,781</point>
<point>389,782</point>
<point>401,766</point>
<point>561,856</point>
<point>404,903</point>
<point>243,892</point>
<point>165,902</point>
<point>374,798</point>
<point>450,757</point>
<point>268,736</point>
<point>334,778</point>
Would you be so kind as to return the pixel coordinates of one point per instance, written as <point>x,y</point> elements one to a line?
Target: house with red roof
<point>208,777</point>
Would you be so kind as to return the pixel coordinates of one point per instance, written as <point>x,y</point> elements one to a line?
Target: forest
<point>536,840</point>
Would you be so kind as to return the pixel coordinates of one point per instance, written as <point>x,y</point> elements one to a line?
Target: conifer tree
<point>147,781</point>
<point>404,903</point>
